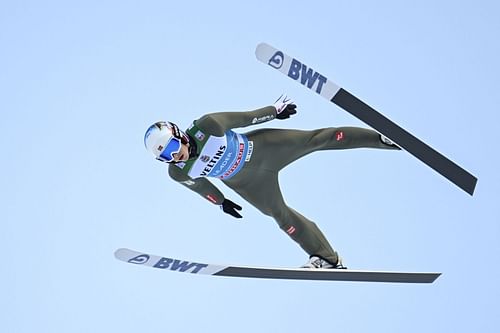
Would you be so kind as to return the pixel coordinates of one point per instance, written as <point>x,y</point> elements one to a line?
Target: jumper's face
<point>182,155</point>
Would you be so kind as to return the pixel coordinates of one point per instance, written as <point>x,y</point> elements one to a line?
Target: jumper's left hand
<point>284,107</point>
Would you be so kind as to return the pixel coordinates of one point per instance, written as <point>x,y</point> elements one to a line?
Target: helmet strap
<point>179,134</point>
<point>193,147</point>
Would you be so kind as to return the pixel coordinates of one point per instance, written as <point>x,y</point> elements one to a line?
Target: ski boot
<point>317,262</point>
<point>389,142</point>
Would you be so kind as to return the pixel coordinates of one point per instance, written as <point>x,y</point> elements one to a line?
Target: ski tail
<point>428,155</point>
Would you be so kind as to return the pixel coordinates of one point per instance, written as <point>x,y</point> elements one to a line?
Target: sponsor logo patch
<point>211,198</point>
<point>262,119</point>
<point>213,160</point>
<point>306,76</point>
<point>200,135</point>
<point>276,60</point>
<point>179,265</point>
<point>140,259</point>
<point>250,151</point>
<point>339,135</point>
<point>236,163</point>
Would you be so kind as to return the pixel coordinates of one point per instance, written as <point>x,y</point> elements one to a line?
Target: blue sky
<point>81,81</point>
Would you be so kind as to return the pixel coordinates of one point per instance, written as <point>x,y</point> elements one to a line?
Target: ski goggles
<point>173,147</point>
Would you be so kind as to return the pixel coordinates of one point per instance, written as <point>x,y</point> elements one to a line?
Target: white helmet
<point>164,139</point>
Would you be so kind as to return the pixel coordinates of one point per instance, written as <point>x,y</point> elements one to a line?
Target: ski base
<point>183,266</point>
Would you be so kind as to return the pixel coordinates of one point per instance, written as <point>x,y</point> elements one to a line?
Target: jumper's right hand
<point>284,107</point>
<point>231,208</point>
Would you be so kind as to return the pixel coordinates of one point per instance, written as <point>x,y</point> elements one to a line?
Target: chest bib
<point>218,156</point>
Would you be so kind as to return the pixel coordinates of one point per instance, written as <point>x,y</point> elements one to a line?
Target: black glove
<point>230,208</point>
<point>287,112</point>
<point>284,107</point>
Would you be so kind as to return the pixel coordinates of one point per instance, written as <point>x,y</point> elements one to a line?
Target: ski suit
<point>249,164</point>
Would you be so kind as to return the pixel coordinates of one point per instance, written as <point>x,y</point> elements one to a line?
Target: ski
<point>183,266</point>
<point>320,84</point>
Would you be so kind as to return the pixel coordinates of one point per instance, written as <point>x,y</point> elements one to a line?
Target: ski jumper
<point>249,164</point>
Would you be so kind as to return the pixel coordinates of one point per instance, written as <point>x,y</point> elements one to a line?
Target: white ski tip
<point>260,47</point>
<point>124,254</point>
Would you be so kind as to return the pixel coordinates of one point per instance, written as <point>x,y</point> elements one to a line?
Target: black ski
<point>183,266</point>
<point>320,84</point>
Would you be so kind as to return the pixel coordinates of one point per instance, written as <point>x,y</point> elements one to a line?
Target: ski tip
<point>259,47</point>
<point>118,252</point>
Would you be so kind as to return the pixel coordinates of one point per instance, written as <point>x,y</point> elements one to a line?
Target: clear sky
<point>80,82</point>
